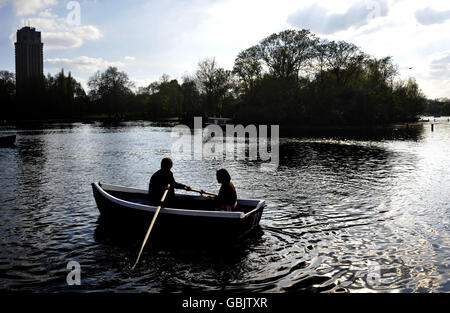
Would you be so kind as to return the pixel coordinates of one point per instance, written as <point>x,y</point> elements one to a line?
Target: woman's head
<point>223,177</point>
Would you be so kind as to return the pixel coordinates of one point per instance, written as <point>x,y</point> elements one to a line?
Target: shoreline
<point>288,127</point>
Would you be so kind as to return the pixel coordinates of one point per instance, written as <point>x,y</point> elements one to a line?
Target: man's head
<point>166,164</point>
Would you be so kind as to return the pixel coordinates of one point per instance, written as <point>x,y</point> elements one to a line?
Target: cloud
<point>29,7</point>
<point>440,66</point>
<point>61,41</point>
<point>47,13</point>
<point>81,64</point>
<point>437,80</point>
<point>128,58</point>
<point>141,82</point>
<point>58,35</point>
<point>71,38</point>
<point>320,20</point>
<point>430,16</point>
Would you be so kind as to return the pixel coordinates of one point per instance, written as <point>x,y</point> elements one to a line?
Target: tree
<point>319,63</point>
<point>191,98</point>
<point>412,100</point>
<point>163,97</point>
<point>294,77</point>
<point>7,94</point>
<point>214,83</point>
<point>169,97</point>
<point>65,97</point>
<point>340,56</point>
<point>381,72</point>
<point>111,89</point>
<point>7,83</point>
<point>287,52</point>
<point>248,68</point>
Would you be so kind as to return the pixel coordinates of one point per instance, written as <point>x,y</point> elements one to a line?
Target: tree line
<point>51,97</point>
<point>291,77</point>
<point>438,107</point>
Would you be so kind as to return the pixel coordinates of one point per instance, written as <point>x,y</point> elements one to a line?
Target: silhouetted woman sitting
<point>227,198</point>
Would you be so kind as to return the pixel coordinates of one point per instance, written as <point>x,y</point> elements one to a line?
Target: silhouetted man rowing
<point>159,182</point>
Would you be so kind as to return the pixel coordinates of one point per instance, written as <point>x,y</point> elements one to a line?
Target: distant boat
<point>192,216</point>
<point>7,140</point>
<point>220,121</point>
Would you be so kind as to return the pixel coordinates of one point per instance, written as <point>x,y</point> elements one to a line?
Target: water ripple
<point>338,212</point>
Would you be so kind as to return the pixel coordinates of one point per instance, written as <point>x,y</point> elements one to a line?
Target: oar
<point>203,192</point>
<point>151,226</point>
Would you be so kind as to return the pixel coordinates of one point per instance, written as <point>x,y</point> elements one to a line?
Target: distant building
<point>29,56</point>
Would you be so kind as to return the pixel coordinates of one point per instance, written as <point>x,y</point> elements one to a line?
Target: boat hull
<point>7,140</point>
<point>176,223</point>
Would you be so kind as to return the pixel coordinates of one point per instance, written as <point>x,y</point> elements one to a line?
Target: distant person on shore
<point>227,197</point>
<point>159,182</point>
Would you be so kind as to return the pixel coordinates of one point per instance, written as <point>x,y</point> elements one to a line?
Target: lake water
<point>363,213</point>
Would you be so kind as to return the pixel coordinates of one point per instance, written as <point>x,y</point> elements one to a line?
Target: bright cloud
<point>82,64</point>
<point>440,66</point>
<point>29,7</point>
<point>430,16</point>
<point>58,35</point>
<point>47,13</point>
<point>437,80</point>
<point>320,20</point>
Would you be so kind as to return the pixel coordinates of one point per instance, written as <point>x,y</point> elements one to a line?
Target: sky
<point>148,38</point>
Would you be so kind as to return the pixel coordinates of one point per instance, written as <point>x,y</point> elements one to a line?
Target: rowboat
<point>188,215</point>
<point>7,140</point>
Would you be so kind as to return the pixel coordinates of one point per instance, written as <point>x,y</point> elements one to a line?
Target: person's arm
<point>178,185</point>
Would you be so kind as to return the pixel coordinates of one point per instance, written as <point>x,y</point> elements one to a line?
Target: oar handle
<point>203,192</point>
<point>151,226</point>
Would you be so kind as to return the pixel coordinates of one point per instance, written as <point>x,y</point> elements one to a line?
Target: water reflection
<point>179,265</point>
<point>413,132</point>
<point>31,165</point>
<point>336,206</point>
